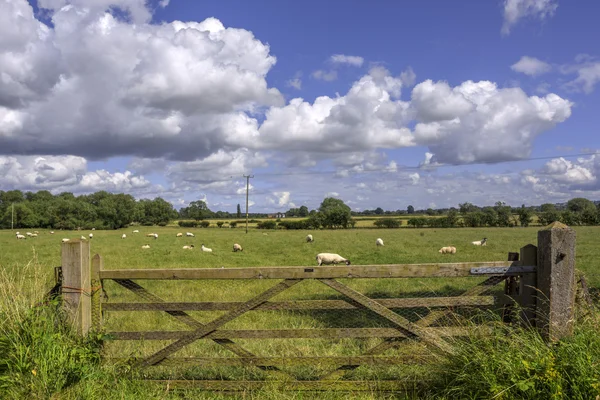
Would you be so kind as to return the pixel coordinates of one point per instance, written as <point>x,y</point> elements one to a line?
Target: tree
<point>303,211</point>
<point>335,214</point>
<point>579,205</point>
<point>410,210</point>
<point>465,208</point>
<point>239,211</point>
<point>379,211</point>
<point>198,210</point>
<point>546,207</point>
<point>452,217</point>
<point>525,215</point>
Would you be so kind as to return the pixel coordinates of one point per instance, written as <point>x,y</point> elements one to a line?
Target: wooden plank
<point>216,323</point>
<point>75,288</point>
<point>406,359</point>
<point>412,330</point>
<point>339,385</point>
<point>326,333</point>
<point>187,319</point>
<point>323,272</point>
<point>412,302</point>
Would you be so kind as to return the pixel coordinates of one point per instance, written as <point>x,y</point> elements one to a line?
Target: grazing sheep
<point>34,235</point>
<point>150,235</point>
<point>136,231</point>
<point>206,249</point>
<point>179,234</point>
<point>35,232</point>
<point>82,237</point>
<point>123,236</point>
<point>447,250</point>
<point>237,247</point>
<point>21,236</point>
<point>481,242</point>
<point>93,229</point>
<point>155,235</point>
<point>191,246</point>
<point>331,258</point>
<point>309,238</point>
<point>91,235</point>
<point>190,234</point>
<point>146,246</point>
<point>52,232</point>
<point>65,240</point>
<point>18,233</point>
<point>379,242</point>
<point>29,234</point>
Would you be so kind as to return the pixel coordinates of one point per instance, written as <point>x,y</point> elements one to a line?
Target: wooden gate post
<point>76,284</point>
<point>556,281</point>
<point>96,292</point>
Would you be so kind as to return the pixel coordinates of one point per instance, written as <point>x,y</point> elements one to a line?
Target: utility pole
<point>247,189</point>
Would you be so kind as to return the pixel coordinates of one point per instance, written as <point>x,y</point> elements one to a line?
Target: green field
<point>36,257</point>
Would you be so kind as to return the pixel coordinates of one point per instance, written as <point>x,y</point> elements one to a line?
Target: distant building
<point>276,215</point>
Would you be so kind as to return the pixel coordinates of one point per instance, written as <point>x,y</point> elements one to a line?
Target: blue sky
<point>180,99</point>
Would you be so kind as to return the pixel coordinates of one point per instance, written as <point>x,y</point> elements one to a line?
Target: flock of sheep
<point>322,258</point>
<point>331,258</point>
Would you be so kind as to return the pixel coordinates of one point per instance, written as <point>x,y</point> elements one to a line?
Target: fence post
<point>528,286</point>
<point>76,284</point>
<point>96,291</point>
<point>556,281</point>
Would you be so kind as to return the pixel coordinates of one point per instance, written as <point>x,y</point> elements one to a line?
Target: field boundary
<point>539,291</point>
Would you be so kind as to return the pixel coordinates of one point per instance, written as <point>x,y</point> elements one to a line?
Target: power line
<point>423,167</point>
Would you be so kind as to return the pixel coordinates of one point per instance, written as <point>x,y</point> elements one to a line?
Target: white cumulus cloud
<point>514,10</point>
<point>531,66</point>
<point>354,61</point>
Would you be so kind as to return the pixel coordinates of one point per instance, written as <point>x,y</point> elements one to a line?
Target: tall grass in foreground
<point>516,363</point>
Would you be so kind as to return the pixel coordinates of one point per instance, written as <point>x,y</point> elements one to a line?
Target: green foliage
<point>233,224</point>
<point>410,210</point>
<point>525,215</point>
<point>334,213</point>
<point>220,224</point>
<point>418,222</point>
<point>388,223</point>
<point>549,216</point>
<point>267,225</point>
<point>239,212</point>
<point>518,364</point>
<point>204,224</point>
<point>197,210</point>
<point>297,224</point>
<point>187,224</point>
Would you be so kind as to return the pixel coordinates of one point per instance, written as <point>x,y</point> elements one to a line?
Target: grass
<point>70,367</point>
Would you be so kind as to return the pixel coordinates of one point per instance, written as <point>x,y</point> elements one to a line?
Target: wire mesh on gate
<point>309,329</point>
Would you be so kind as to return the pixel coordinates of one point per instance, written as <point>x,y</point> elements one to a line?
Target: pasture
<point>276,248</point>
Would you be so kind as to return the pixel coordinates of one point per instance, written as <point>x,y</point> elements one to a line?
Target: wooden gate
<point>430,325</point>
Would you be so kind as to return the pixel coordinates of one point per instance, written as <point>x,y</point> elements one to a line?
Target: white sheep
<point>309,238</point>
<point>18,233</point>
<point>190,234</point>
<point>123,236</point>
<point>29,234</point>
<point>136,231</point>
<point>379,242</point>
<point>179,234</point>
<point>190,247</point>
<point>93,229</point>
<point>155,236</point>
<point>481,242</point>
<point>150,235</point>
<point>21,236</point>
<point>206,249</point>
<point>331,258</point>
<point>82,237</point>
<point>52,232</point>
<point>35,232</point>
<point>146,246</point>
<point>34,235</point>
<point>65,240</point>
<point>237,247</point>
<point>91,235</point>
<point>447,250</point>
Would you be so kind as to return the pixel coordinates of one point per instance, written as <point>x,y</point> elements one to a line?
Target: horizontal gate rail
<point>432,270</point>
<point>409,302</point>
<point>313,333</point>
<point>292,361</point>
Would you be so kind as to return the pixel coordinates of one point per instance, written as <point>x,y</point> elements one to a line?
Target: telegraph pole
<point>247,189</point>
